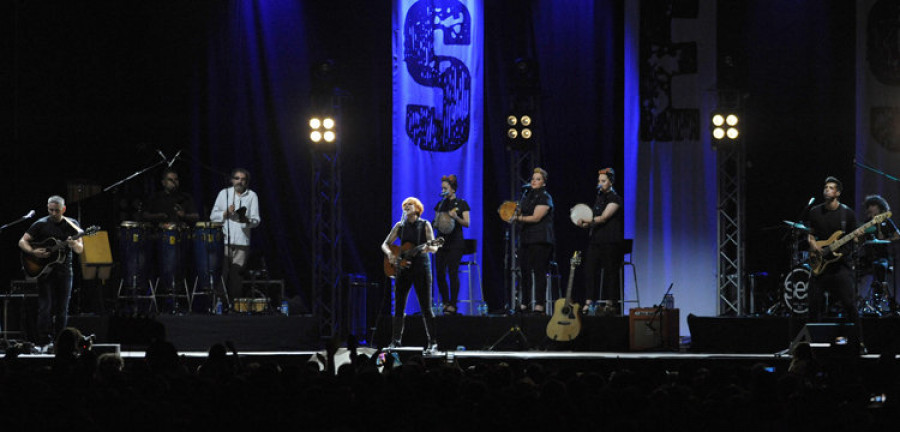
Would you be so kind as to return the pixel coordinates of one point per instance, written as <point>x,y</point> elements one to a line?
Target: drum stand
<point>133,295</point>
<point>210,289</point>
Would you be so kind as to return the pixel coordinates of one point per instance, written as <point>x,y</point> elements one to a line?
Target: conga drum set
<point>154,270</point>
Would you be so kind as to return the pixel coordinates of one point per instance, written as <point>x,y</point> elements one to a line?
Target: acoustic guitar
<point>565,324</point>
<point>35,267</point>
<point>405,254</point>
<point>818,262</point>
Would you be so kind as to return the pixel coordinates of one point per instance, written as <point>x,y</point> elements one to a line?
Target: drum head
<point>796,290</point>
<point>507,210</point>
<point>579,212</point>
<point>444,223</point>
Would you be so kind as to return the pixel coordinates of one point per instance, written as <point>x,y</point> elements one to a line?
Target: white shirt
<point>236,232</point>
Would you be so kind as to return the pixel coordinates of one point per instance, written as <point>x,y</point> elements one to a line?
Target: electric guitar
<point>404,255</point>
<point>35,267</point>
<point>565,324</point>
<point>830,246</point>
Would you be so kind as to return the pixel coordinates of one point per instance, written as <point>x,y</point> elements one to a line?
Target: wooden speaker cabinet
<point>659,334</point>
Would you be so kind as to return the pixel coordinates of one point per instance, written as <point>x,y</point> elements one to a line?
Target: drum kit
<point>872,260</point>
<point>167,257</point>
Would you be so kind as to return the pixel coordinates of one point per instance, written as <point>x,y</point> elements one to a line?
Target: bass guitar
<point>818,262</point>
<point>565,324</point>
<point>35,267</point>
<point>404,255</point>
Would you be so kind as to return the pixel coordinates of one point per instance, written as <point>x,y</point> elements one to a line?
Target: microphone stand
<point>658,312</point>
<point>9,293</point>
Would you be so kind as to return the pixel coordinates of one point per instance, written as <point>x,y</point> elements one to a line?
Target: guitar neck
<point>846,238</point>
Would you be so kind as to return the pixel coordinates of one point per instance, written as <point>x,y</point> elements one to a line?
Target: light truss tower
<point>326,232</point>
<point>730,224</point>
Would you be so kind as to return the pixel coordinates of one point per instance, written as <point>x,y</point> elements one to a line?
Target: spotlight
<point>322,128</point>
<point>724,127</point>
<point>519,131</point>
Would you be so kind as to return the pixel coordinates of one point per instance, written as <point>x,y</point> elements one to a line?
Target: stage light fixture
<point>724,127</point>
<point>322,128</point>
<point>519,131</point>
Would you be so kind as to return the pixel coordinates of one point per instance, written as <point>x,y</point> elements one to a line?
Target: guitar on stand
<point>404,255</point>
<point>565,324</point>
<point>35,267</point>
<point>818,262</point>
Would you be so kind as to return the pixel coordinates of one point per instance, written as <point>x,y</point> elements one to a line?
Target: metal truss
<point>730,224</point>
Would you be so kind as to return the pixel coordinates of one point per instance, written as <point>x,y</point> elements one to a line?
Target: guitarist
<point>838,278</point>
<point>412,230</point>
<point>55,287</point>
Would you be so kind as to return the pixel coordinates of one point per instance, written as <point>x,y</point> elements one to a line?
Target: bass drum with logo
<point>795,289</point>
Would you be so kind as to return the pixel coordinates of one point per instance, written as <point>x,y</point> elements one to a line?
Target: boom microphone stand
<point>9,293</point>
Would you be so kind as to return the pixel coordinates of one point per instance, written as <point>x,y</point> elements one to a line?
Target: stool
<point>627,246</point>
<point>470,250</point>
<point>552,275</point>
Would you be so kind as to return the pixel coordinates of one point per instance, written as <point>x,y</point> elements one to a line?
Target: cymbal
<point>876,242</point>
<point>797,226</point>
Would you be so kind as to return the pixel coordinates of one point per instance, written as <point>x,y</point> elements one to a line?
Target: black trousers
<point>418,277</point>
<point>604,260</point>
<point>447,263</point>
<point>54,292</point>
<point>535,262</point>
<point>841,286</point>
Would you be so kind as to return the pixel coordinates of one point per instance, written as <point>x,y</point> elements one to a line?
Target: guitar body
<point>565,324</point>
<point>817,263</point>
<point>405,253</point>
<point>35,267</point>
<point>392,270</point>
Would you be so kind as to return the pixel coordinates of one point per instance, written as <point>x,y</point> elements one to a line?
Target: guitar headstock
<point>881,217</point>
<point>91,230</point>
<point>575,261</point>
<point>436,242</point>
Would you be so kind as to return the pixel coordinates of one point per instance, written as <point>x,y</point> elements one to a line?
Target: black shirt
<point>541,232</point>
<point>823,223</point>
<point>168,203</point>
<point>613,230</point>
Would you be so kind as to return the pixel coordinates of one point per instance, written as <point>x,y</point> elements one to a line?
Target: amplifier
<point>652,331</point>
<point>24,287</point>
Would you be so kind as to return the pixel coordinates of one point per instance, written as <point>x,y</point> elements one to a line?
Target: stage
<point>615,334</point>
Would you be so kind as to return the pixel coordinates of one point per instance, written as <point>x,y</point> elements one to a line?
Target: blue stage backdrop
<point>437,107</point>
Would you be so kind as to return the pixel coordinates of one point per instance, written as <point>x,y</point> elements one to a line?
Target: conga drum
<point>134,249</point>
<point>170,253</point>
<point>209,251</point>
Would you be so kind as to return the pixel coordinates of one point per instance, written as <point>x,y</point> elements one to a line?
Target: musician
<point>413,231</point>
<point>237,207</point>
<point>605,250</point>
<point>447,258</point>
<point>536,239</point>
<point>837,277</point>
<point>54,287</point>
<point>170,204</point>
<point>877,253</point>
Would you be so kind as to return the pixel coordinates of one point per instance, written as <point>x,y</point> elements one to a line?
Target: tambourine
<point>580,212</point>
<point>507,210</point>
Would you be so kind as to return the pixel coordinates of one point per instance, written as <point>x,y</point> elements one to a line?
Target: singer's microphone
<point>29,215</point>
<point>174,158</point>
<point>811,201</point>
<point>163,156</point>
<point>526,186</point>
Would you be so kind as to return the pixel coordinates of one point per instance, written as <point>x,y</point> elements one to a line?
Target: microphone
<point>174,158</point>
<point>444,193</point>
<point>163,156</point>
<point>811,201</point>
<point>29,215</point>
<point>403,218</point>
<point>526,186</point>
